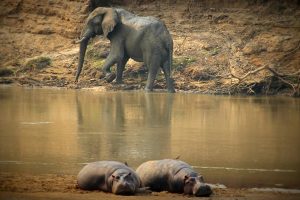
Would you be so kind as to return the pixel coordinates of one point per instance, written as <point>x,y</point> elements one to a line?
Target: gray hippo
<point>109,176</point>
<point>174,176</point>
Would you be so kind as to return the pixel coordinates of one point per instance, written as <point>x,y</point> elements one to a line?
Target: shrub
<point>37,63</point>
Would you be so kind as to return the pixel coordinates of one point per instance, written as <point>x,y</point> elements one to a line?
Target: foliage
<point>96,56</point>
<point>37,63</point>
<point>179,63</point>
<point>97,63</point>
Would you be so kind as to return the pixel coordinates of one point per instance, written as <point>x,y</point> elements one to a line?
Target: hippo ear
<point>201,178</point>
<point>185,178</point>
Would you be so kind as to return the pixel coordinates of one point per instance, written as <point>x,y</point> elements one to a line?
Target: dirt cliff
<point>220,47</point>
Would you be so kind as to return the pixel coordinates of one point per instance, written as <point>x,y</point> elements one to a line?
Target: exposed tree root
<point>291,80</point>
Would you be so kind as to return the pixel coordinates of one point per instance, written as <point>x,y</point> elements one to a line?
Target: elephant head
<point>101,21</point>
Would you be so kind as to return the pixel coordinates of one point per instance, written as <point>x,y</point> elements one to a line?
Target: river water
<point>235,141</point>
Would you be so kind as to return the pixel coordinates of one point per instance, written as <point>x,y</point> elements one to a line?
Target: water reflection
<point>236,141</point>
<point>124,125</point>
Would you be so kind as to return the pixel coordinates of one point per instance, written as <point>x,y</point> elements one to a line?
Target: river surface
<point>235,141</point>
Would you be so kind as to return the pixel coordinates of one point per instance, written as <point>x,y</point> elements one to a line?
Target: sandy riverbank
<point>54,186</point>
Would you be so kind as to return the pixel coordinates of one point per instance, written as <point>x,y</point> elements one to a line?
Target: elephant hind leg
<point>170,81</point>
<point>153,65</point>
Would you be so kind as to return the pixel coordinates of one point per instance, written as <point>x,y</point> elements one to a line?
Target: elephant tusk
<point>79,41</point>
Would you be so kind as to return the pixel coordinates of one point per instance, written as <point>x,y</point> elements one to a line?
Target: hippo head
<point>196,186</point>
<point>123,183</point>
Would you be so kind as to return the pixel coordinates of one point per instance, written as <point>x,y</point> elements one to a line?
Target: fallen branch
<point>280,76</point>
<point>276,74</point>
<point>180,46</point>
<point>248,74</point>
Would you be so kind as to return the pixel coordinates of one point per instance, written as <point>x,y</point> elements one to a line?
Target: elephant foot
<point>170,85</point>
<point>110,77</point>
<point>171,90</point>
<point>119,82</point>
<point>148,89</point>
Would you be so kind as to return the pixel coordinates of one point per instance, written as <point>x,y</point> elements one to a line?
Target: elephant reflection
<point>134,120</point>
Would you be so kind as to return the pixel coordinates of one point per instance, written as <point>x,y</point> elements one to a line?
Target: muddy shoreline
<point>56,186</point>
<point>243,48</point>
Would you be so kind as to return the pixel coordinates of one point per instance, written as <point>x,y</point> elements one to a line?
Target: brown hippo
<point>109,176</point>
<point>174,176</point>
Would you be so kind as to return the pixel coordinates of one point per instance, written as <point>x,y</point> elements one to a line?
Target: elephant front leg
<point>120,69</point>
<point>110,61</point>
<point>116,55</point>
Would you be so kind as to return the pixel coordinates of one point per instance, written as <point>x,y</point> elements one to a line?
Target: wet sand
<point>55,186</point>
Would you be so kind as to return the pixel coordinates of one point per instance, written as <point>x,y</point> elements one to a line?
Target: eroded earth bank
<point>238,47</point>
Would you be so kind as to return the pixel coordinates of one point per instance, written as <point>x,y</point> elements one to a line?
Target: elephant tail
<point>167,66</point>
<point>170,49</point>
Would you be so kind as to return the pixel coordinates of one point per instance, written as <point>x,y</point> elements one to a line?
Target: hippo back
<point>159,174</point>
<point>173,176</point>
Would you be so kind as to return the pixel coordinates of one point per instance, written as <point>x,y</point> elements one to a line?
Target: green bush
<point>38,63</point>
<point>180,63</point>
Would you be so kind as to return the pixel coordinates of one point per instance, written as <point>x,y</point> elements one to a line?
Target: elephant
<point>143,39</point>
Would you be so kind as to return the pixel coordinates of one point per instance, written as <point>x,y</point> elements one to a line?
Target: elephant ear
<point>109,22</point>
<point>109,16</point>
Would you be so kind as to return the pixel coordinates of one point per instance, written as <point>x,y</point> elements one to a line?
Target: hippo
<point>109,176</point>
<point>173,176</point>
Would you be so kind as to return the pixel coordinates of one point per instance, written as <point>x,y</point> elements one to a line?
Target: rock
<point>253,48</point>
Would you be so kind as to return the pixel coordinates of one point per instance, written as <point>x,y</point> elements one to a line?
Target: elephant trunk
<point>83,45</point>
